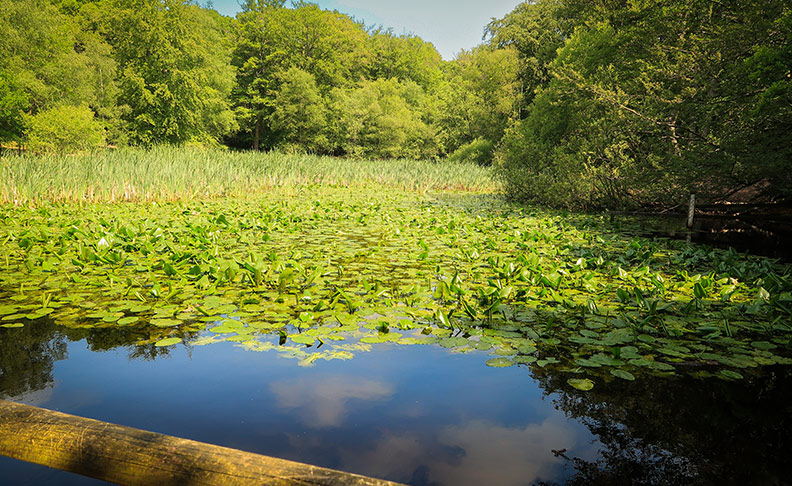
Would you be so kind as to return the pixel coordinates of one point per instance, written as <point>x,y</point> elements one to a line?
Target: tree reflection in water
<point>27,358</point>
<point>683,431</point>
<point>28,354</point>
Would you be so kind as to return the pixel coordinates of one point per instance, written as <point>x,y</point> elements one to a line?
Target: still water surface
<point>416,414</point>
<point>413,414</point>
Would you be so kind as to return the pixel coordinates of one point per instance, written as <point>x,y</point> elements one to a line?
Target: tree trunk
<point>257,134</point>
<point>129,456</point>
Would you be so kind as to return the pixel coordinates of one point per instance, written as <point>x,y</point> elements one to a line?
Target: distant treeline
<point>579,103</point>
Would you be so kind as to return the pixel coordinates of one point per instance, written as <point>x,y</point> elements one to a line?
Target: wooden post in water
<point>128,456</point>
<point>691,210</point>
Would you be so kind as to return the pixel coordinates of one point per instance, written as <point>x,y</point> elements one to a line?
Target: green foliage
<point>647,103</point>
<point>481,97</point>
<point>405,57</point>
<point>64,129</point>
<point>47,60</point>
<point>12,105</point>
<point>478,151</point>
<point>383,119</point>
<point>536,30</point>
<point>175,76</point>
<point>300,113</point>
<point>271,39</point>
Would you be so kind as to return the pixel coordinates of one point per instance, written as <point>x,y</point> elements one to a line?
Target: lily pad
<point>167,342</point>
<point>583,384</point>
<point>165,322</point>
<point>125,321</point>
<point>500,363</point>
<point>302,339</point>
<point>624,375</point>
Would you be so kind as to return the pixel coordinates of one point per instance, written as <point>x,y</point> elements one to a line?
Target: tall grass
<point>169,173</point>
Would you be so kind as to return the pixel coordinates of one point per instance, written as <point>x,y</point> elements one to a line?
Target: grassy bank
<point>164,174</point>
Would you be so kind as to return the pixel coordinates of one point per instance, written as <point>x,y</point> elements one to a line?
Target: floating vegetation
<point>324,273</point>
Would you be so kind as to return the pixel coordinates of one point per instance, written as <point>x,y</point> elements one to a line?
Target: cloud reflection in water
<point>324,402</point>
<point>474,453</point>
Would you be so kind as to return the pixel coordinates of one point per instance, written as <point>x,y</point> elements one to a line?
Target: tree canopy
<point>579,103</point>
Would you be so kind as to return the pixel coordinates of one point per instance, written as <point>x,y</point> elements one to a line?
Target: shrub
<point>64,128</point>
<point>479,151</point>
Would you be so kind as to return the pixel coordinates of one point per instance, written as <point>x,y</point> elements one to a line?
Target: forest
<point>577,104</point>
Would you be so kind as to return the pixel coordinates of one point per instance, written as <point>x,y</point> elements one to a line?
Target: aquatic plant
<point>320,273</point>
<point>172,173</point>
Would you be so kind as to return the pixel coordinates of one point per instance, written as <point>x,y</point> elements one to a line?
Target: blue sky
<point>450,25</point>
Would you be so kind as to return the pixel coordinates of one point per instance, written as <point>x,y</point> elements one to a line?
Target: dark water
<point>770,238</point>
<point>418,414</point>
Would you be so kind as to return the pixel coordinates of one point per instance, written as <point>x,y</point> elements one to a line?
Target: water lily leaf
<point>504,351</point>
<point>660,366</point>
<point>624,375</point>
<point>732,375</point>
<point>8,310</point>
<point>547,361</point>
<point>223,330</point>
<point>583,384</point>
<point>453,342</point>
<point>12,325</point>
<point>165,322</point>
<point>588,363</point>
<point>527,349</point>
<point>302,339</point>
<point>500,363</point>
<point>167,342</point>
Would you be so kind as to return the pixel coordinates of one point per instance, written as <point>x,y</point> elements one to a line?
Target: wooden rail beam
<point>128,456</point>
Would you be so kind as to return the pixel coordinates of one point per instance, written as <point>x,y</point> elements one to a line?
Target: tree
<point>649,101</point>
<point>536,30</point>
<point>271,39</point>
<point>175,75</point>
<point>383,118</point>
<point>48,60</point>
<point>482,96</point>
<point>64,129</point>
<point>13,102</point>
<point>406,58</point>
<point>300,114</point>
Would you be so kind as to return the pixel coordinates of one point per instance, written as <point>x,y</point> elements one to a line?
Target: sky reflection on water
<point>418,414</point>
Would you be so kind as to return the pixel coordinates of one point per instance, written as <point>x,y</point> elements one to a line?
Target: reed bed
<point>171,173</point>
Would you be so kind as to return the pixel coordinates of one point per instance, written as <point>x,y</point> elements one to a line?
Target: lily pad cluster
<point>324,273</point>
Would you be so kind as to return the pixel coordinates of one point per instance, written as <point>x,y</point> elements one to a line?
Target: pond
<point>427,339</point>
<point>419,415</point>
